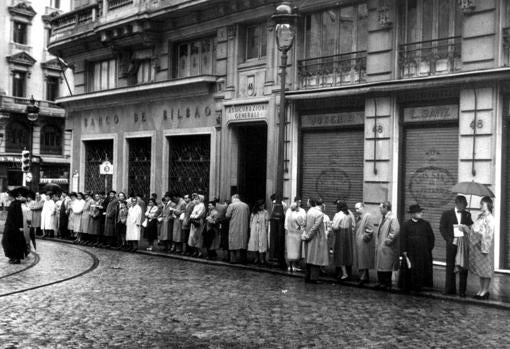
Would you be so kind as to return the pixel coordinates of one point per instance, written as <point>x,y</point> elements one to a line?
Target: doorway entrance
<point>252,161</point>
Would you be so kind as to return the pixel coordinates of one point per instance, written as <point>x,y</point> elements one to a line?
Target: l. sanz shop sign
<point>240,112</point>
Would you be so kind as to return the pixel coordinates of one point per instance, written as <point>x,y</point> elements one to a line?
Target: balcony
<point>75,22</point>
<point>331,71</point>
<point>113,4</point>
<point>432,57</point>
<point>506,46</point>
<point>10,104</point>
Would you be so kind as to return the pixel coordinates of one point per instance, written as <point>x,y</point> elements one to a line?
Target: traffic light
<point>25,161</point>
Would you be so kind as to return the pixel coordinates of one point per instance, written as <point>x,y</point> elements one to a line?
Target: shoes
<point>362,282</point>
<point>484,296</point>
<point>462,295</point>
<point>149,249</point>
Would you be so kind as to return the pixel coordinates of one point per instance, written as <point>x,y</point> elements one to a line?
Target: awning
<point>54,180</point>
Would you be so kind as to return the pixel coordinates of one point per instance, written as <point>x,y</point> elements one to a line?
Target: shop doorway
<point>252,161</point>
<point>430,169</point>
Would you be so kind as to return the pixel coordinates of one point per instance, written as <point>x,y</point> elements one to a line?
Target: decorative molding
<point>231,31</point>
<point>53,65</point>
<point>47,18</point>
<point>22,9</point>
<point>21,58</point>
<point>467,6</point>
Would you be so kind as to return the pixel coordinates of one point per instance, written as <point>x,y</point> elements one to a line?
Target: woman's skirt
<point>481,264</point>
<point>151,231</point>
<point>342,249</point>
<point>293,245</point>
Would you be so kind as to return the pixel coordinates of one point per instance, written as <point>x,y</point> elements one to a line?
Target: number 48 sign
<point>106,168</point>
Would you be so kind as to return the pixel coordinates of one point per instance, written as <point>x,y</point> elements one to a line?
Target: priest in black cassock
<point>416,243</point>
<point>13,239</point>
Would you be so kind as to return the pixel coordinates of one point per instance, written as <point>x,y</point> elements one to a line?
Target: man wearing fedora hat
<point>416,243</point>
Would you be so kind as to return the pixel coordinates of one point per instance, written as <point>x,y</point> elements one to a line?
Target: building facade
<point>29,70</point>
<point>387,100</point>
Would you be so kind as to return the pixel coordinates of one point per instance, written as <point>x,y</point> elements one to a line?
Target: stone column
<point>231,57</point>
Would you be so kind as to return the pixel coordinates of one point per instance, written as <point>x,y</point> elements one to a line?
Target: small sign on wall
<point>432,113</point>
<point>246,111</point>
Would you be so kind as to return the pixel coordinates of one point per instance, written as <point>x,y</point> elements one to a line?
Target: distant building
<point>28,69</point>
<point>388,100</point>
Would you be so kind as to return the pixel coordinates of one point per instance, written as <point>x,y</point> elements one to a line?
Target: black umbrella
<point>54,188</point>
<point>23,191</point>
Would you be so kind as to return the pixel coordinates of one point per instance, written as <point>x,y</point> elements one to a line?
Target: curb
<point>425,294</point>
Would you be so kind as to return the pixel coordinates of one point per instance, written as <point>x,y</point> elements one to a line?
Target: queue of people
<point>186,224</point>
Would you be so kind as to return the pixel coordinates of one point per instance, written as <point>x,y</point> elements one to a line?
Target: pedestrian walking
<point>13,239</point>
<point>151,223</point>
<point>178,218</point>
<point>342,227</point>
<point>387,246</point>
<point>212,231</point>
<point>295,220</point>
<point>481,247</point>
<point>238,213</point>
<point>134,223</point>
<point>460,218</point>
<point>259,225</point>
<point>416,244</point>
<point>365,242</point>
<point>316,243</point>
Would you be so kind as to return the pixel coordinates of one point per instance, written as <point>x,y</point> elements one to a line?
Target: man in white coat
<point>48,215</point>
<point>134,222</point>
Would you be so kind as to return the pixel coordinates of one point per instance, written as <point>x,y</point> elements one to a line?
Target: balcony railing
<point>113,4</point>
<point>432,57</point>
<point>329,71</point>
<point>78,18</point>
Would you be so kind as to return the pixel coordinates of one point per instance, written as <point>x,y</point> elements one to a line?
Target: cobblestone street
<point>139,301</point>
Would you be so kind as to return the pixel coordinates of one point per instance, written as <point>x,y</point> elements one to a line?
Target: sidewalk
<point>500,284</point>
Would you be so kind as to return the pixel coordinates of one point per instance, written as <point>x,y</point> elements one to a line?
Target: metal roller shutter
<point>332,166</point>
<point>431,169</point>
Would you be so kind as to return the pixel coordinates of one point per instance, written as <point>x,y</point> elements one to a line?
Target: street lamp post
<point>284,20</point>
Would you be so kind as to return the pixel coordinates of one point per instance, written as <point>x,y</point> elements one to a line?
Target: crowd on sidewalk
<point>186,224</point>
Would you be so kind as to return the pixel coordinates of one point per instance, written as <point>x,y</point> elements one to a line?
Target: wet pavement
<point>140,301</point>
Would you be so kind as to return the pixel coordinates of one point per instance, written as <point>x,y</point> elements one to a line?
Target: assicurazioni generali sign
<point>239,112</point>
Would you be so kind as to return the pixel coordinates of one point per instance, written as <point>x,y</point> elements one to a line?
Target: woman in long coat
<point>165,231</point>
<point>178,215</point>
<point>48,216</point>
<point>343,246</point>
<point>36,206</point>
<point>416,243</point>
<point>121,223</point>
<point>133,223</point>
<point>77,208</point>
<point>316,243</point>
<point>481,247</point>
<point>110,220</point>
<point>295,220</point>
<point>13,239</point>
<point>27,222</point>
<point>196,238</point>
<point>85,217</point>
<point>259,224</point>
<point>151,223</point>
<point>212,231</point>
<point>94,225</point>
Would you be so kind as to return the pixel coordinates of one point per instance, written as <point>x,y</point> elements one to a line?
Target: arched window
<point>51,140</point>
<point>18,137</point>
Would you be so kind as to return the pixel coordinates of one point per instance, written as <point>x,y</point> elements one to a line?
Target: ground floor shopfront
<point>406,147</point>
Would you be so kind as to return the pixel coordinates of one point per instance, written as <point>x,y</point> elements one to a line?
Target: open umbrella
<point>23,191</point>
<point>54,188</point>
<point>472,188</point>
